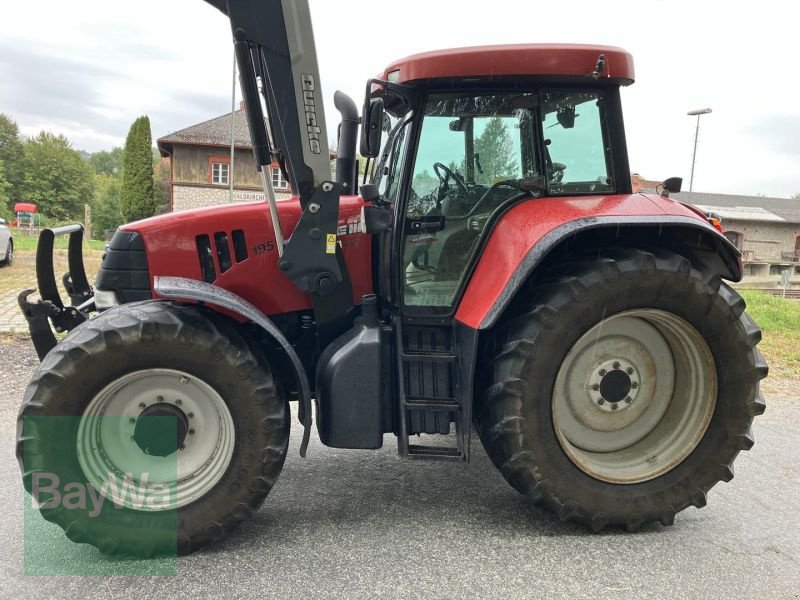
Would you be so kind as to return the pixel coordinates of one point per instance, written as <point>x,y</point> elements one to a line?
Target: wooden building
<point>201,168</point>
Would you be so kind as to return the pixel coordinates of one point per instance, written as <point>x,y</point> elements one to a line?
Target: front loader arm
<point>278,36</point>
<point>277,60</point>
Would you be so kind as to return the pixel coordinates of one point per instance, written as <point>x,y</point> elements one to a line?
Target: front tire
<point>622,388</point>
<point>83,419</point>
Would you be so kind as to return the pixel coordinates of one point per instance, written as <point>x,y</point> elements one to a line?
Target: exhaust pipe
<point>346,174</point>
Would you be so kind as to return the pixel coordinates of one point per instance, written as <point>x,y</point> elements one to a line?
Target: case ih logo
<point>309,87</point>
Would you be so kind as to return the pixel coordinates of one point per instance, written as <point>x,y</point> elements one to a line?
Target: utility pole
<point>233,129</point>
<point>692,113</point>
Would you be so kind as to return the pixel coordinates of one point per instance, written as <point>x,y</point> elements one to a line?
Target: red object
<point>28,207</point>
<point>518,59</point>
<point>171,250</point>
<point>522,227</point>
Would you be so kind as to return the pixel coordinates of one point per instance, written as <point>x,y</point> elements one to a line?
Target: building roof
<point>745,208</point>
<point>214,132</point>
<point>734,207</point>
<point>513,59</point>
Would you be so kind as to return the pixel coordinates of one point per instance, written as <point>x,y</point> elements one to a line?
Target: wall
<point>185,197</point>
<point>764,241</point>
<point>191,165</point>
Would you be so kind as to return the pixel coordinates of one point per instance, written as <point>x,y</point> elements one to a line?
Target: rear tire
<point>229,397</point>
<point>587,472</point>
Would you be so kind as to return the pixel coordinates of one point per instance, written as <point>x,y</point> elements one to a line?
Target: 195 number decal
<point>265,247</point>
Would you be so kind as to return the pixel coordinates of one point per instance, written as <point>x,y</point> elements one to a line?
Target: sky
<point>87,69</point>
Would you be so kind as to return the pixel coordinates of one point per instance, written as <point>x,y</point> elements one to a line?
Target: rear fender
<point>504,268</point>
<point>180,288</point>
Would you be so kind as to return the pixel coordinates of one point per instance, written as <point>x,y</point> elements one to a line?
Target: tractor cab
<point>458,150</point>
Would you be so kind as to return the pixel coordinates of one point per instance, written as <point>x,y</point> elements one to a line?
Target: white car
<point>6,245</point>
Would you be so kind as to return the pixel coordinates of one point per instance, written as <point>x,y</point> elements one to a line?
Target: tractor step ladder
<point>428,392</point>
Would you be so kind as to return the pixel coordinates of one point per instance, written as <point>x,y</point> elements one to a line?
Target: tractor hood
<point>233,246</point>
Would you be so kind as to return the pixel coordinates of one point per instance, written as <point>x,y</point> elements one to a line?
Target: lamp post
<point>697,113</point>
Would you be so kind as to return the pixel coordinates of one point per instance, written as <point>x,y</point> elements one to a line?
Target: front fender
<point>180,288</point>
<point>525,235</point>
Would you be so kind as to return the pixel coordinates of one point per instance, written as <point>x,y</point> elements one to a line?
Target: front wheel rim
<point>634,396</point>
<point>112,459</point>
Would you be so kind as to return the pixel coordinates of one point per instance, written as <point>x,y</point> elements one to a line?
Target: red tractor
<point>494,269</point>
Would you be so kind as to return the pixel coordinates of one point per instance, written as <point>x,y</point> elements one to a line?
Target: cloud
<point>84,100</point>
<point>55,88</point>
<point>780,133</point>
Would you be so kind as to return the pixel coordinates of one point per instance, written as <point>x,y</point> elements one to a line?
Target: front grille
<point>124,269</point>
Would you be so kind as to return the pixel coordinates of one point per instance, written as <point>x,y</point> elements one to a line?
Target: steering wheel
<point>448,173</point>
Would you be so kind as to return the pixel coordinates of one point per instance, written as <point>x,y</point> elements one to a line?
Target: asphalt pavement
<point>364,524</point>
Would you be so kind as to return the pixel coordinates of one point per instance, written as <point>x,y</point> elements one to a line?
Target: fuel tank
<point>233,246</point>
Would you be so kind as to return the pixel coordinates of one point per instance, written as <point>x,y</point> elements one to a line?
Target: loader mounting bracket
<point>313,258</point>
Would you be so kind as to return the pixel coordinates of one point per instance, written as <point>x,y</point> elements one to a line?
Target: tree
<point>161,175</point>
<point>5,196</point>
<point>496,153</point>
<point>424,183</point>
<point>137,200</point>
<point>11,154</point>
<point>106,214</point>
<point>56,178</point>
<point>109,163</point>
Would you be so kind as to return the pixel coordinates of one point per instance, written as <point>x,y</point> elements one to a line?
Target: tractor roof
<point>556,60</point>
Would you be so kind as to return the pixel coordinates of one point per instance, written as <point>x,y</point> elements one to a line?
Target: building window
<point>735,238</point>
<point>220,172</point>
<point>278,182</point>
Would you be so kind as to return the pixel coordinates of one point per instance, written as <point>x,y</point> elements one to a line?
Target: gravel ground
<point>366,524</point>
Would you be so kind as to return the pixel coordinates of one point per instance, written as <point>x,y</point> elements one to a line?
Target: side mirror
<point>372,128</point>
<point>2,221</point>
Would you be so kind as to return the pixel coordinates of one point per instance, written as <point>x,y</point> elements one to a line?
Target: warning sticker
<point>330,243</point>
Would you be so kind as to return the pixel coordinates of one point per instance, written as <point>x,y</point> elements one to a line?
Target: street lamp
<point>692,113</point>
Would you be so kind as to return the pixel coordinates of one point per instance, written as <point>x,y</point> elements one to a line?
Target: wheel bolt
<point>629,371</point>
<point>191,432</point>
<point>159,398</point>
<point>603,372</point>
<point>190,415</point>
<point>628,400</point>
<point>184,380</point>
<point>142,405</point>
<point>596,387</point>
<point>614,406</point>
<point>616,365</point>
<point>178,402</point>
<point>634,385</point>
<point>132,421</point>
<point>601,402</point>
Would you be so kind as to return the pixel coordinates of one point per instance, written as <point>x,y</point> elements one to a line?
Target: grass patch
<point>23,241</point>
<point>779,320</point>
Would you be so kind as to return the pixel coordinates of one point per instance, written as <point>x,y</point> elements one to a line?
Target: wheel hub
<point>161,429</point>
<point>614,385</point>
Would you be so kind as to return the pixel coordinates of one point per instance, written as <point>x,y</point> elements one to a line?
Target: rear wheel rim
<point>108,451</point>
<point>634,396</point>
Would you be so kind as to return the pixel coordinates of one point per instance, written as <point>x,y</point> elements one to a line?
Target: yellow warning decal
<point>330,244</point>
